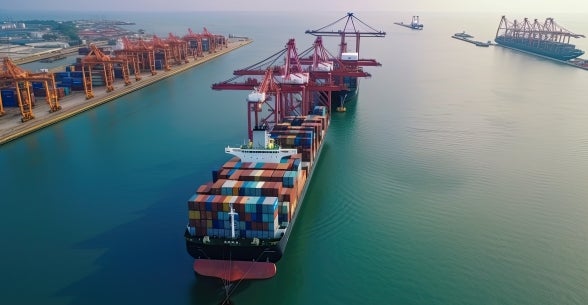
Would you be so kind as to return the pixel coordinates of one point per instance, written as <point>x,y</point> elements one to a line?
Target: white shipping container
<point>324,66</point>
<point>256,97</point>
<point>295,78</point>
<point>350,56</point>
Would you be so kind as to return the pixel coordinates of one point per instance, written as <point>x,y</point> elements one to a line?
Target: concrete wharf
<point>12,128</point>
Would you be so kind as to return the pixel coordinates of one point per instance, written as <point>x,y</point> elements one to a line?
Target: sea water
<point>458,177</point>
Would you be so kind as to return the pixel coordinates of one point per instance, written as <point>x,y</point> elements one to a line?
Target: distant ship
<point>547,39</point>
<point>415,24</point>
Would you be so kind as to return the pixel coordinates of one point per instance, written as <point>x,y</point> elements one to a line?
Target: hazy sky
<point>504,6</point>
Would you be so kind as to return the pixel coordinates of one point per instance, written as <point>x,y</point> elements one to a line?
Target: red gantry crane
<point>288,88</point>
<point>13,76</point>
<point>348,66</point>
<point>300,82</point>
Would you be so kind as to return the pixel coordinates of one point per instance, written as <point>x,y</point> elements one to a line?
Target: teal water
<point>458,177</point>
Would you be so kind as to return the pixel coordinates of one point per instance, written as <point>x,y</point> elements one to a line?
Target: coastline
<point>11,128</point>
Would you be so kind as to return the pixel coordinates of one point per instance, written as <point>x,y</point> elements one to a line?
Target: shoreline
<point>11,128</point>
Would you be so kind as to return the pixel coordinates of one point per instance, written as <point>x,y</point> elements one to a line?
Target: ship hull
<point>198,250</point>
<point>553,50</point>
<point>343,97</point>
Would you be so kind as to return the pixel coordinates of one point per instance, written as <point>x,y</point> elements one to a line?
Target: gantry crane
<point>353,27</point>
<point>161,47</point>
<point>12,75</point>
<point>194,42</point>
<point>296,91</point>
<point>143,53</point>
<point>305,80</point>
<point>97,58</point>
<point>535,32</point>
<point>131,56</point>
<point>179,49</point>
<point>260,98</point>
<point>349,63</point>
<point>215,41</point>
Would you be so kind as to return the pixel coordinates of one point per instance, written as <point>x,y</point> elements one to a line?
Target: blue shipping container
<point>9,98</point>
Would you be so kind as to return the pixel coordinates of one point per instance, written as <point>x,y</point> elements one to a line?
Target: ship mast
<point>232,213</point>
<point>350,29</point>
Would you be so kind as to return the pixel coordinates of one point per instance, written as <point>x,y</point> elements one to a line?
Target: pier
<point>469,38</point>
<point>414,24</point>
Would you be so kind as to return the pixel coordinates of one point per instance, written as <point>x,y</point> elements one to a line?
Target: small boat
<point>463,35</point>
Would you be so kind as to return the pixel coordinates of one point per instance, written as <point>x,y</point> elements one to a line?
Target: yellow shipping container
<point>194,215</point>
<point>209,223</point>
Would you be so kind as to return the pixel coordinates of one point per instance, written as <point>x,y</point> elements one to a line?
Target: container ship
<point>240,222</point>
<point>546,39</point>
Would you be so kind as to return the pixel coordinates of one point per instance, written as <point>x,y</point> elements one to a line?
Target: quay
<point>414,24</point>
<point>12,128</point>
<point>470,40</point>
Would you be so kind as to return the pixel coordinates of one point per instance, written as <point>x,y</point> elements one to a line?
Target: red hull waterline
<point>234,270</point>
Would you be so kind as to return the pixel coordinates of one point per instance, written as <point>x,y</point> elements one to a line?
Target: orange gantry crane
<point>161,47</point>
<point>143,53</point>
<point>12,75</point>
<point>194,42</point>
<point>179,49</point>
<point>105,71</point>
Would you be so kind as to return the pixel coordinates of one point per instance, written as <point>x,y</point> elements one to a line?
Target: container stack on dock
<point>9,97</point>
<point>69,81</point>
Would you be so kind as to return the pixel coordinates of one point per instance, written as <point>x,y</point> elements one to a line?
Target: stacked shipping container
<point>264,195</point>
<point>256,195</point>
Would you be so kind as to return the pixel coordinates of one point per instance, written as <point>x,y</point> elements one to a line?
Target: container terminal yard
<point>99,76</point>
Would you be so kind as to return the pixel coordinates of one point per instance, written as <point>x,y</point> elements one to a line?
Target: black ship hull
<point>343,97</point>
<point>555,50</point>
<point>242,252</point>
